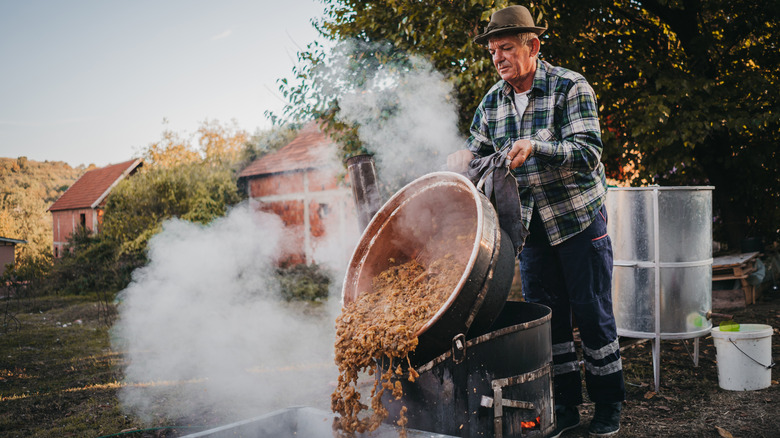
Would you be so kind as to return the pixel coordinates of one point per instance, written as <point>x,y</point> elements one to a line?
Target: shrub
<point>303,282</point>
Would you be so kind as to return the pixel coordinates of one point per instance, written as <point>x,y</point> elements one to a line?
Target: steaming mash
<point>380,327</point>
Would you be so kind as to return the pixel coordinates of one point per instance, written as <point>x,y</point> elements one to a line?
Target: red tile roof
<point>311,149</point>
<point>93,187</point>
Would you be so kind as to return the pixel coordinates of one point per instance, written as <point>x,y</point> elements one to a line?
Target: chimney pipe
<point>362,175</point>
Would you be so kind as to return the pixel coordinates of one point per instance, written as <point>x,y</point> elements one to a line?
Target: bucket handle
<point>770,366</point>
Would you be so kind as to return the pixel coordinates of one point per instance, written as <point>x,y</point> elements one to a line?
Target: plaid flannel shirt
<point>564,177</point>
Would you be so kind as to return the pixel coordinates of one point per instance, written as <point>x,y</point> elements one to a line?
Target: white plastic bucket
<point>744,357</point>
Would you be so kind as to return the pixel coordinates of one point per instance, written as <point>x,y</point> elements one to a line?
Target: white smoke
<point>405,111</point>
<point>204,325</point>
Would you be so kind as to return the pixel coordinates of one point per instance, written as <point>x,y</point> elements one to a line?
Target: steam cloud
<point>405,111</point>
<point>204,323</point>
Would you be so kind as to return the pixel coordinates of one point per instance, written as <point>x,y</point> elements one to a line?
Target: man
<point>546,117</point>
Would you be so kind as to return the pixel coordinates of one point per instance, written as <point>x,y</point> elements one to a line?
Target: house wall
<point>64,222</point>
<point>6,255</point>
<point>318,211</point>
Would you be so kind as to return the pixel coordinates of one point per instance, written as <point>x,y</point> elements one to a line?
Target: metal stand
<point>657,359</point>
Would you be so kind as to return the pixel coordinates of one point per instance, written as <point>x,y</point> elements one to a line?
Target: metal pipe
<point>362,176</point>
<point>657,281</point>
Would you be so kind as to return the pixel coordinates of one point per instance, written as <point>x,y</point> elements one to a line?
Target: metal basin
<point>297,422</point>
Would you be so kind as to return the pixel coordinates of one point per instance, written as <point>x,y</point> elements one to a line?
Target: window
<point>324,210</point>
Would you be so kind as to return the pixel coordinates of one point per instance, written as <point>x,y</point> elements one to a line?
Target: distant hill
<point>27,189</point>
<point>45,180</point>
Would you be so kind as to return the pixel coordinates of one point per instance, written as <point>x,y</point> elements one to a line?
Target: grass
<point>58,374</point>
<point>59,377</point>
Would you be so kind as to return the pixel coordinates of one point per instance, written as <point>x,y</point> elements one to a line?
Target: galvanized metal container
<point>662,244</point>
<point>662,278</point>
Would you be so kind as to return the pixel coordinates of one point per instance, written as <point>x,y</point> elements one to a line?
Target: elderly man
<point>545,119</point>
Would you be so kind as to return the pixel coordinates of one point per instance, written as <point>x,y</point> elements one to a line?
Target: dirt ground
<point>690,402</point>
<point>61,379</point>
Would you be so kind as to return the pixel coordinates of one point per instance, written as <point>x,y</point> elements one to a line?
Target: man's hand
<point>459,161</point>
<point>521,150</point>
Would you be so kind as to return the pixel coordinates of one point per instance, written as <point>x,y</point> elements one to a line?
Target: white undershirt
<point>521,102</point>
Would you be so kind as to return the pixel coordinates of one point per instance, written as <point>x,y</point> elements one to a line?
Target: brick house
<point>7,247</point>
<point>300,183</point>
<point>83,203</point>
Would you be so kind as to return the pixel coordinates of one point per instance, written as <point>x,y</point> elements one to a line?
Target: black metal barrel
<point>494,384</point>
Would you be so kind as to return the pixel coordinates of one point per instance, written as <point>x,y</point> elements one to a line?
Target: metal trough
<point>298,422</point>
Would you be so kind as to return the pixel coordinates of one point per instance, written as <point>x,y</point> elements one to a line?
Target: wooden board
<point>732,260</point>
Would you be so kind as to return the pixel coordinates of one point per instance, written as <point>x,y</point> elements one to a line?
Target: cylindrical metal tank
<point>362,175</point>
<point>662,244</point>
<point>489,384</point>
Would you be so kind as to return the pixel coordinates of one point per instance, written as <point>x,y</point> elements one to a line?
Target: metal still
<point>662,279</point>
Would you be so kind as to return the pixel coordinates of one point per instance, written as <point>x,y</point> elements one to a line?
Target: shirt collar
<point>539,80</point>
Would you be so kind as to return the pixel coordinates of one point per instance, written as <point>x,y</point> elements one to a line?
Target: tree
<point>687,88</point>
<point>216,142</point>
<point>263,142</point>
<point>181,179</point>
<point>137,207</point>
<point>688,92</point>
<point>178,179</point>
<point>27,188</point>
<point>222,143</point>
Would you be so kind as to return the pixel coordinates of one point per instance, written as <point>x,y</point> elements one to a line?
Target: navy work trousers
<point>574,278</point>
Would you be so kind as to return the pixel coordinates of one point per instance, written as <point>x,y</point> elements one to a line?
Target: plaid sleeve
<point>579,147</point>
<point>479,139</point>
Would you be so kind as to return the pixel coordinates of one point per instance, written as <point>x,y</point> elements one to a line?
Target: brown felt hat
<point>512,19</point>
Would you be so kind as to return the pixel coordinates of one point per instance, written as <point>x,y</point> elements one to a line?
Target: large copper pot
<point>434,215</point>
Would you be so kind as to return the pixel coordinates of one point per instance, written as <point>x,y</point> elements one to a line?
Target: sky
<point>96,82</point>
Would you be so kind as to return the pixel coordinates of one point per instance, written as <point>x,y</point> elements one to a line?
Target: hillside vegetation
<point>27,189</point>
<point>188,176</point>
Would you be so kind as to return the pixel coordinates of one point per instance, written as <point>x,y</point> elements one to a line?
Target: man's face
<point>514,62</point>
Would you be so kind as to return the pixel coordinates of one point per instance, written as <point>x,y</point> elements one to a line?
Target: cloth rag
<point>500,186</point>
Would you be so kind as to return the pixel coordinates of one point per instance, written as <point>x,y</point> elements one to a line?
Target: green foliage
<point>137,207</point>
<point>135,211</point>
<point>263,142</point>
<point>687,89</point>
<point>303,283</point>
<point>381,35</point>
<point>687,92</point>
<point>193,183</point>
<point>92,263</point>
